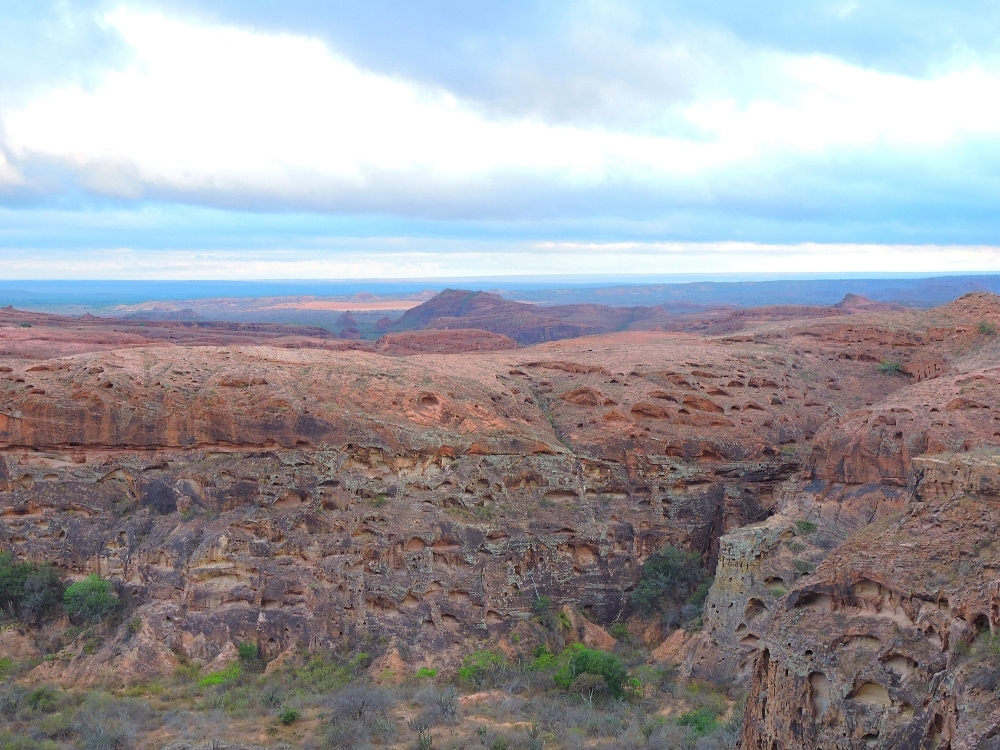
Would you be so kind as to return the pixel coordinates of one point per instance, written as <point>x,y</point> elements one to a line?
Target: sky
<point>248,139</point>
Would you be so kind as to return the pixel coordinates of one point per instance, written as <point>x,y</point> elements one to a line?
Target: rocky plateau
<point>838,468</point>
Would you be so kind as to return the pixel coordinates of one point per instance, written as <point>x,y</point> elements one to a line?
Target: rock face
<point>879,648</point>
<point>290,494</point>
<point>288,497</point>
<point>859,468</point>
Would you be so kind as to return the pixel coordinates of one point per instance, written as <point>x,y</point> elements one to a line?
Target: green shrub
<point>28,591</point>
<point>222,677</point>
<point>426,673</point>
<point>247,651</point>
<point>91,599</point>
<point>702,720</point>
<point>43,593</point>
<point>700,594</point>
<point>564,622</point>
<point>43,699</point>
<point>667,581</point>
<point>889,367</point>
<point>288,716</point>
<point>12,578</point>
<point>805,527</point>
<point>577,659</point>
<point>542,604</point>
<point>986,328</point>
<point>479,665</point>
<point>619,631</point>
<point>544,660</point>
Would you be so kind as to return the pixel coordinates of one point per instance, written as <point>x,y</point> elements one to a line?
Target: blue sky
<point>325,139</point>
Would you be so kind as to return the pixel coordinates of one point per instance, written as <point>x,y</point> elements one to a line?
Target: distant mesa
<point>855,303</point>
<point>347,327</point>
<point>526,324</point>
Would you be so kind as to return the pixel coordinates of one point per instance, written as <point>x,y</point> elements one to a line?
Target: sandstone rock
<point>334,490</point>
<point>16,644</point>
<point>672,650</point>
<point>282,660</point>
<point>390,668</point>
<point>594,636</point>
<point>868,651</point>
<point>227,656</point>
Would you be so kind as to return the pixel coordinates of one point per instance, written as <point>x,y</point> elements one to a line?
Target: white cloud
<point>224,114</point>
<point>402,258</point>
<point>9,177</point>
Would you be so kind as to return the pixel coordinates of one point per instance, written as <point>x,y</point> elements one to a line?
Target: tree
<point>90,599</point>
<point>577,660</point>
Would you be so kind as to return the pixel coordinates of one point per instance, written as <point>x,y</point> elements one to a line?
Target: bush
<point>578,659</point>
<point>805,527</point>
<point>288,716</point>
<point>700,594</point>
<point>43,699</point>
<point>702,720</point>
<point>247,651</point>
<point>668,580</point>
<point>358,713</point>
<point>103,723</point>
<point>544,660</point>
<point>479,665</point>
<point>28,591</point>
<point>542,604</point>
<point>889,367</point>
<point>91,599</point>
<point>426,673</point>
<point>361,702</point>
<point>222,677</point>
<point>986,328</point>
<point>12,579</point>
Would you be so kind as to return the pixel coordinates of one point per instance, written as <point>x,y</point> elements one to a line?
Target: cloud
<point>409,258</point>
<point>225,116</point>
<point>9,177</point>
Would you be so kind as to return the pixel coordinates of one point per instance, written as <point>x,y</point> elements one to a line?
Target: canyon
<point>836,467</point>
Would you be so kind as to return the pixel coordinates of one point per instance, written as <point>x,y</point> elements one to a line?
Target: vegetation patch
<point>91,599</point>
<point>673,583</point>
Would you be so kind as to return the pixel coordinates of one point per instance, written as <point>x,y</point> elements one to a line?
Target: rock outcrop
<point>889,644</point>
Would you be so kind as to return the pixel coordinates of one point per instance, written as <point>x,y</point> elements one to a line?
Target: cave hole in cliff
<point>755,609</point>
<point>816,601</point>
<point>871,694</point>
<point>980,624</point>
<point>902,666</point>
<point>819,694</point>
